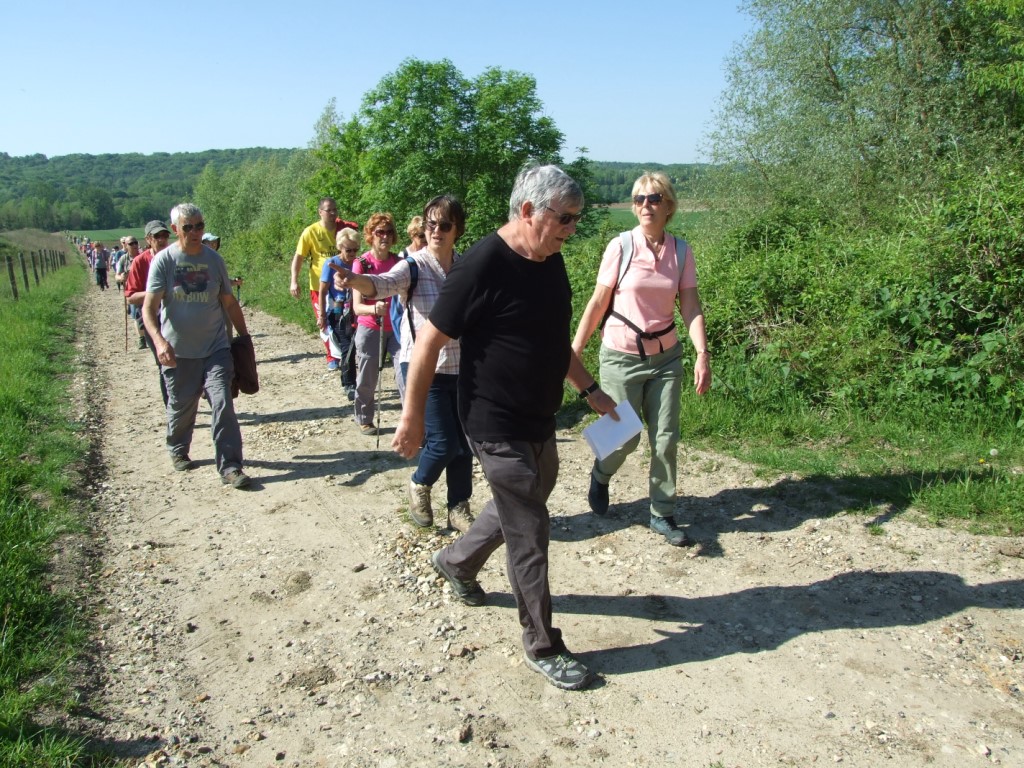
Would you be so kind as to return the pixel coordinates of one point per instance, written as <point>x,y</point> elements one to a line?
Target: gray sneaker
<point>419,505</point>
<point>181,463</point>
<point>460,517</point>
<point>562,671</point>
<point>468,591</point>
<point>673,534</point>
<point>236,478</point>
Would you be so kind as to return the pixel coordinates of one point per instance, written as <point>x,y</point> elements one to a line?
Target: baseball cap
<point>155,226</point>
<point>210,237</point>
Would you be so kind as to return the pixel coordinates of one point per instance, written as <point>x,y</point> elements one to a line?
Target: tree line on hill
<point>106,191</point>
<point>124,190</point>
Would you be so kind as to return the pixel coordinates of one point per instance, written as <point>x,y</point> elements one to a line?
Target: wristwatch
<point>584,394</point>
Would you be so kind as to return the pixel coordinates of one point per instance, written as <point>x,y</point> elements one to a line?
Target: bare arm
<point>296,267</point>
<point>592,316</point>
<point>409,435</point>
<point>231,306</point>
<point>581,379</point>
<point>151,319</point>
<point>693,316</point>
<point>362,283</point>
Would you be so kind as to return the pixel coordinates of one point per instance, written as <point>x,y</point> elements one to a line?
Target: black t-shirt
<point>511,316</point>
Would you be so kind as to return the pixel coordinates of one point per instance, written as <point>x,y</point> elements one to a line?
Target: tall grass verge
<point>39,447</point>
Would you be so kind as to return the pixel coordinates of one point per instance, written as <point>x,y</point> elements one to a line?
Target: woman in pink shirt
<point>373,318</point>
<point>641,357</point>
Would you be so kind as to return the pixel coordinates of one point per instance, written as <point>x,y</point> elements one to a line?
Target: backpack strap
<point>414,277</point>
<point>626,238</point>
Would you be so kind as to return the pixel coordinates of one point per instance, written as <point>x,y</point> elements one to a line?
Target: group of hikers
<point>481,343</point>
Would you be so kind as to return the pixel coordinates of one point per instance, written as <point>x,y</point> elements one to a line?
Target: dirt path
<point>299,623</point>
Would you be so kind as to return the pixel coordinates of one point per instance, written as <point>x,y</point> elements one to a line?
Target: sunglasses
<point>654,198</point>
<point>350,250</point>
<point>199,226</point>
<point>444,226</point>
<point>380,233</point>
<point>565,219</point>
<point>132,242</point>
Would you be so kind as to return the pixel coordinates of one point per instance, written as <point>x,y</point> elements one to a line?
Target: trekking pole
<point>125,297</point>
<point>380,377</point>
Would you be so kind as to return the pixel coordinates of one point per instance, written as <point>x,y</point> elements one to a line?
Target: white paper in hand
<point>605,435</point>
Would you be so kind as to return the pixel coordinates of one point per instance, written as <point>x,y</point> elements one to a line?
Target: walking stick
<point>125,297</point>
<point>380,377</point>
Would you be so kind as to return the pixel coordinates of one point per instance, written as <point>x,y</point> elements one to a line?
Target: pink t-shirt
<point>377,268</point>
<point>648,293</point>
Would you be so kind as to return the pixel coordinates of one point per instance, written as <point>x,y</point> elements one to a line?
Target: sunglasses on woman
<point>654,198</point>
<point>382,233</point>
<point>444,226</point>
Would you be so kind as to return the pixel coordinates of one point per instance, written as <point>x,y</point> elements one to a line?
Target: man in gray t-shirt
<point>188,285</point>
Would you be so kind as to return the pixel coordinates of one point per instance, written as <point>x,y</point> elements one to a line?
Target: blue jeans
<point>444,443</point>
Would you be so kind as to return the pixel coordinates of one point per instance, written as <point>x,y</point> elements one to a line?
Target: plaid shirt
<point>428,288</point>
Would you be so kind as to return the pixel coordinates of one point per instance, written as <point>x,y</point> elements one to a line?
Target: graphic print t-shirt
<point>191,318</point>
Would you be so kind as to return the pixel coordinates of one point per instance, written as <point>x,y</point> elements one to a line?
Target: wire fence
<point>22,271</point>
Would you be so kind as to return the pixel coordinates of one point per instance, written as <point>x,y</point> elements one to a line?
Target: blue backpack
<point>400,308</point>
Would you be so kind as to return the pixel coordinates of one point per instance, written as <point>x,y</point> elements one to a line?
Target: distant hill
<point>615,180</point>
<point>106,191</point>
<point>126,190</point>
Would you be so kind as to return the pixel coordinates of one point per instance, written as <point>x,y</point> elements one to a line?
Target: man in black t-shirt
<point>508,301</point>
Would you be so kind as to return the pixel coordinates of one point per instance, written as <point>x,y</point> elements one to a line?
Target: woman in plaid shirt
<point>445,448</point>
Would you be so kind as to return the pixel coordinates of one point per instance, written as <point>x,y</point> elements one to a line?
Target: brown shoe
<point>460,517</point>
<point>419,505</point>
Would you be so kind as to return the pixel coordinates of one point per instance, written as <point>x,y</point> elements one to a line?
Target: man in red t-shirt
<point>157,237</point>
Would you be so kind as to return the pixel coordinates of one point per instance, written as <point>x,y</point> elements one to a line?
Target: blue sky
<point>635,83</point>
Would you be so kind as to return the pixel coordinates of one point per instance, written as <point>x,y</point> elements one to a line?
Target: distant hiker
<point>373,323</point>
<point>191,281</point>
<point>334,308</point>
<point>100,264</point>
<point>644,274</point>
<point>509,303</point>
<point>316,245</point>
<point>157,236</point>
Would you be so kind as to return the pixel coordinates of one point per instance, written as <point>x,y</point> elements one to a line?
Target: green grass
<point>39,451</point>
<point>938,464</point>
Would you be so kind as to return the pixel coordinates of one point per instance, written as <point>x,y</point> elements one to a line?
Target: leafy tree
<point>427,130</point>
<point>846,105</point>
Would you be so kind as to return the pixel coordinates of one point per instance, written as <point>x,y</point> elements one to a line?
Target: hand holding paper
<point>607,435</point>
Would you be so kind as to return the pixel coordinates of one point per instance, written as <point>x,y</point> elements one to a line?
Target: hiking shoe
<point>351,394</point>
<point>368,429</point>
<point>235,478</point>
<point>181,463</point>
<point>667,527</point>
<point>332,365</point>
<point>142,342</point>
<point>597,496</point>
<point>562,671</point>
<point>468,591</point>
<point>460,517</point>
<point>419,505</point>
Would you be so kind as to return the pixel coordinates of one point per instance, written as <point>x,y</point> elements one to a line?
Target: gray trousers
<point>367,341</point>
<point>186,383</point>
<point>521,475</point>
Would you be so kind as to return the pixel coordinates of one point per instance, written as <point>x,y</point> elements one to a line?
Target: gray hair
<point>346,235</point>
<point>185,211</point>
<point>174,216</point>
<point>542,185</point>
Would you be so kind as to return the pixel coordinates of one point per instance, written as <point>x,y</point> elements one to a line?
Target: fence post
<point>10,271</point>
<point>24,269</point>
<point>35,268</point>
